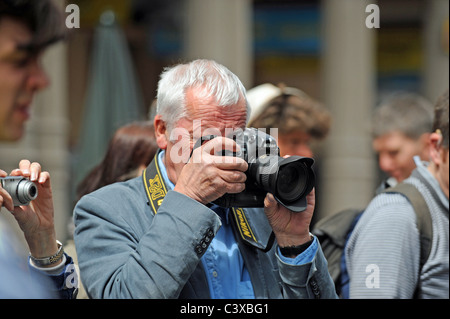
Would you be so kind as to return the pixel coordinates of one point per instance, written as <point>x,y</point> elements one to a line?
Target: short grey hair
<point>405,112</point>
<point>216,79</point>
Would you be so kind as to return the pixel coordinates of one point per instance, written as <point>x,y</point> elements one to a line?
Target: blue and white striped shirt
<point>383,251</point>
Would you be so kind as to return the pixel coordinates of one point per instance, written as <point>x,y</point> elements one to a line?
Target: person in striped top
<point>383,252</point>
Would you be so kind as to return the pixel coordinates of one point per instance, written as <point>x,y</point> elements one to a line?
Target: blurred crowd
<point>146,224</point>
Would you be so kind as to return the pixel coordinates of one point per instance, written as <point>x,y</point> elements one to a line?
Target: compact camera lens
<point>33,191</point>
<point>26,191</point>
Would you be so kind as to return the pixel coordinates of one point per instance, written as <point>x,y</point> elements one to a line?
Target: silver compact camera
<point>20,188</point>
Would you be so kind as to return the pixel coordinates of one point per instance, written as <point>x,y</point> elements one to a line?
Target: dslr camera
<point>288,179</point>
<point>21,189</point>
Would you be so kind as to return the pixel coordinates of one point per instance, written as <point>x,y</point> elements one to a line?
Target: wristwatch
<point>47,261</point>
<point>295,250</point>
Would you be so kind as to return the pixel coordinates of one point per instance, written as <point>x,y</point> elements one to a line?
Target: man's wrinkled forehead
<point>195,129</point>
<point>199,101</point>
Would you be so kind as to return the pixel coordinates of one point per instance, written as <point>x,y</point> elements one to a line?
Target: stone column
<point>436,68</point>
<point>221,30</point>
<point>348,90</point>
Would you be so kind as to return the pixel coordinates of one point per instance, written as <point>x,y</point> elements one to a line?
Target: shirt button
<point>215,274</point>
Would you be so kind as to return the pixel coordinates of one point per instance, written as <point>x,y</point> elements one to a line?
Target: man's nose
<point>386,164</point>
<point>37,79</point>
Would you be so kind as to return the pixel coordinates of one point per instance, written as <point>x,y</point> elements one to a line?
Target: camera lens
<point>32,191</point>
<point>26,191</point>
<point>289,179</point>
<point>292,181</point>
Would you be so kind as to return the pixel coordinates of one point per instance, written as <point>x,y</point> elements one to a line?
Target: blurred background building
<point>320,46</point>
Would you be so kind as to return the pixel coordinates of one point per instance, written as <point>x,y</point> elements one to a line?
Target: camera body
<point>21,189</point>
<point>288,179</point>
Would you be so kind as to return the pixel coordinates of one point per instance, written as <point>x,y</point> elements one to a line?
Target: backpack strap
<point>422,211</point>
<point>332,232</point>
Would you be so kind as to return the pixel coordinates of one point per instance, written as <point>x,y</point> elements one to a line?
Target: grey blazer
<point>126,251</point>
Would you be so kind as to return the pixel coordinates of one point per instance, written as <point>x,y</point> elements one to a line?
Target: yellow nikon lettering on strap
<point>154,186</point>
<point>243,225</point>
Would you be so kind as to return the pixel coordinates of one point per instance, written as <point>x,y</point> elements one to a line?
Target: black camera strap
<point>156,190</point>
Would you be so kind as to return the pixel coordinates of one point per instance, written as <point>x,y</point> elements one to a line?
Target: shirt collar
<point>163,170</point>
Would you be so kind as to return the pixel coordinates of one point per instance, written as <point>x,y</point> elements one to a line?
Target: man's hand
<point>37,219</point>
<point>207,176</point>
<point>290,228</point>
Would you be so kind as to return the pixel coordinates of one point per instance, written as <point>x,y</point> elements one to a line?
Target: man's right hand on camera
<point>208,176</point>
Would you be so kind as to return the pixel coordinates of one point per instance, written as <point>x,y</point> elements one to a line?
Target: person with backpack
<point>401,129</point>
<point>386,254</point>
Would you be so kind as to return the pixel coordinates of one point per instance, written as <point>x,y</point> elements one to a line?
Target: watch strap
<point>295,250</point>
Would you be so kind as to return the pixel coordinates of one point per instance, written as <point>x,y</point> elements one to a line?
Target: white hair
<point>215,80</point>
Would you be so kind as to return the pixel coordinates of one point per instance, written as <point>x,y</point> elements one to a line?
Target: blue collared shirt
<point>225,269</point>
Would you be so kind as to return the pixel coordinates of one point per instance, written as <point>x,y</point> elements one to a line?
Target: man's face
<point>20,77</point>
<point>395,154</point>
<point>295,143</point>
<point>204,117</point>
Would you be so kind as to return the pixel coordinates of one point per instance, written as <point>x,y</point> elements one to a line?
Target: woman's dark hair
<point>132,146</point>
